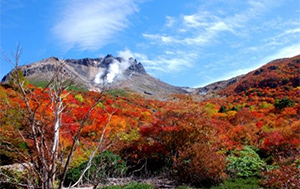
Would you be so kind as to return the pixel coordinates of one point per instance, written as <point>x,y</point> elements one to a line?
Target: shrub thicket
<point>200,165</point>
<point>283,103</point>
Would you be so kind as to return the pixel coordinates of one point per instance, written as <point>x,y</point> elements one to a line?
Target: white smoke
<point>115,69</point>
<point>99,77</point>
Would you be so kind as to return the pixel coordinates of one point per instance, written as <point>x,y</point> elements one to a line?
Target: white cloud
<point>170,21</point>
<point>169,52</point>
<point>293,31</point>
<point>91,24</point>
<point>126,54</point>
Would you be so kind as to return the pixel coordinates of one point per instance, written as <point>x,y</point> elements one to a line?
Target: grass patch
<point>111,187</point>
<point>239,183</point>
<point>117,92</point>
<point>184,187</point>
<point>132,185</point>
<point>135,185</point>
<point>76,88</point>
<point>44,83</point>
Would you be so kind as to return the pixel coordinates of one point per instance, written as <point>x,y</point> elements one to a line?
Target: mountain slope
<point>93,74</point>
<point>279,74</point>
<point>216,87</point>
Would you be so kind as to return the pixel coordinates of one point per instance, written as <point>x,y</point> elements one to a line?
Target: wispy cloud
<point>204,27</point>
<point>162,63</point>
<point>241,29</point>
<point>91,24</point>
<point>190,33</point>
<point>165,63</point>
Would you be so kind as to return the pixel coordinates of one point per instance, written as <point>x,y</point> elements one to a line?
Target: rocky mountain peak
<point>89,72</point>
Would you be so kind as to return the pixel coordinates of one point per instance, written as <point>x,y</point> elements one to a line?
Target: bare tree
<point>100,147</point>
<point>45,161</point>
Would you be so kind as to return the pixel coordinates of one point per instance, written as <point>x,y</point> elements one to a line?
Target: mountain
<point>91,74</point>
<point>120,73</point>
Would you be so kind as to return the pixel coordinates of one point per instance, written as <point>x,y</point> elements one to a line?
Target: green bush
<point>104,165</point>
<point>245,163</point>
<point>283,103</point>
<point>222,109</point>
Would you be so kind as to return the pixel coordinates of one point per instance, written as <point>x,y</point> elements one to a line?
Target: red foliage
<point>259,124</point>
<point>200,165</point>
<point>286,176</point>
<point>279,143</point>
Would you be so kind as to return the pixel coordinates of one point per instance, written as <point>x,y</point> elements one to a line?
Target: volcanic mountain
<point>92,74</point>
<point>120,73</point>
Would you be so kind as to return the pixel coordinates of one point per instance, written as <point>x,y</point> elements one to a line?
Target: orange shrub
<point>200,165</point>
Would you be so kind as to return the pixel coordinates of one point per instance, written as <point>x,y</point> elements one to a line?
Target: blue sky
<point>182,42</point>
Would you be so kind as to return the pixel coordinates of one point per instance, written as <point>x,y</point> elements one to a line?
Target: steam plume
<point>114,70</point>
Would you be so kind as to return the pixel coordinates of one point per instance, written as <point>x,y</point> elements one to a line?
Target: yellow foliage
<point>231,113</point>
<point>117,123</point>
<point>132,135</point>
<point>210,109</point>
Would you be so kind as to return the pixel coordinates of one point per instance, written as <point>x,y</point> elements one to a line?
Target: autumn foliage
<point>189,139</point>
